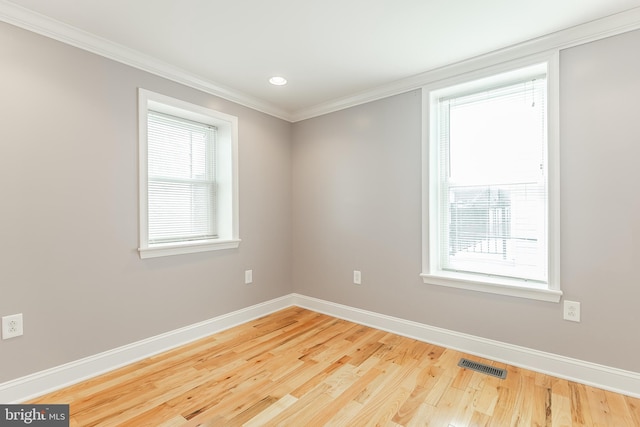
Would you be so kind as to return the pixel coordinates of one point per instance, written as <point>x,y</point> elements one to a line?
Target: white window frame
<point>431,271</point>
<point>227,215</point>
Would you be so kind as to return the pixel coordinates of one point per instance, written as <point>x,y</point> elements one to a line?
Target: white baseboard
<point>37,384</point>
<point>604,377</point>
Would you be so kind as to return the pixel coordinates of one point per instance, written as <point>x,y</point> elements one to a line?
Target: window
<point>491,220</point>
<point>188,185</point>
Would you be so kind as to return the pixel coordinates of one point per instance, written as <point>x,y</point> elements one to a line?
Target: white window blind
<point>181,182</point>
<point>492,183</point>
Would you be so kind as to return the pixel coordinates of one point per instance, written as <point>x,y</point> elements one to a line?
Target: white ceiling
<point>327,49</point>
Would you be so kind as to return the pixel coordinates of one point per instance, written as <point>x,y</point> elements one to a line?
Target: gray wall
<point>318,199</point>
<point>69,210</point>
<point>357,206</point>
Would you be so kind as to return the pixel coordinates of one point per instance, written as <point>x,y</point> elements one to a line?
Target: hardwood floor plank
<point>462,379</point>
<point>302,412</point>
<point>318,378</point>
<point>387,408</point>
<point>425,380</point>
<point>344,399</point>
<point>252,411</point>
<point>271,412</point>
<point>619,410</point>
<point>463,407</point>
<point>447,407</point>
<point>344,415</point>
<point>398,382</point>
<point>561,404</point>
<point>521,410</point>
<point>581,416</point>
<point>296,367</point>
<point>488,399</point>
<point>423,416</point>
<point>440,386</point>
<point>539,398</point>
<point>176,421</point>
<point>479,420</point>
<point>385,372</point>
<point>634,409</point>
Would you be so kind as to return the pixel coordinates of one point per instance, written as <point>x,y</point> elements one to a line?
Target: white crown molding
<point>570,37</point>
<point>604,377</point>
<point>48,27</point>
<point>41,24</point>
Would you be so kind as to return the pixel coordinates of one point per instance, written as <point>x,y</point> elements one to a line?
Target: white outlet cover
<point>12,326</point>
<point>248,276</point>
<point>572,311</point>
<point>357,277</point>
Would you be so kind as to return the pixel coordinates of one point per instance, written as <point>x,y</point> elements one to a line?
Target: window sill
<point>187,248</point>
<point>492,285</point>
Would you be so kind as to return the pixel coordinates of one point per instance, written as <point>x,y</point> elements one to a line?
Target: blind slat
<point>181,186</point>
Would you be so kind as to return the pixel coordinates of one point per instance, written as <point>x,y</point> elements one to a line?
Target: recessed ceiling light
<point>278,81</point>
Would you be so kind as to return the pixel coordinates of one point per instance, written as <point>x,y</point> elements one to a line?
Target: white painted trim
<point>608,378</point>
<point>48,27</point>
<point>433,274</point>
<point>227,214</point>
<point>605,377</point>
<point>494,286</point>
<point>189,248</point>
<point>39,383</point>
<point>580,34</point>
<point>591,31</point>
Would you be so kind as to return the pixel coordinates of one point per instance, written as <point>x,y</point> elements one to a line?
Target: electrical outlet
<point>572,311</point>
<point>248,277</point>
<point>357,277</point>
<point>12,326</point>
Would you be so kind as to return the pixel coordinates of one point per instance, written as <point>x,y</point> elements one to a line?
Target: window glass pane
<point>498,140</point>
<point>179,148</point>
<point>497,230</point>
<point>180,211</point>
<point>181,187</point>
<point>493,201</point>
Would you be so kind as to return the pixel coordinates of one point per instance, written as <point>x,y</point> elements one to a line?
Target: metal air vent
<point>481,367</point>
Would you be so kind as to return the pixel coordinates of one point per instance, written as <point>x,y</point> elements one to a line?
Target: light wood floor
<point>300,368</point>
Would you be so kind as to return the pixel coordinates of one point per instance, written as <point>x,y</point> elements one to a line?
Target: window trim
<point>226,175</point>
<point>484,283</point>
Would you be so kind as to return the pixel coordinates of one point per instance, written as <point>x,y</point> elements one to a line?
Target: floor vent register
<point>481,367</point>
